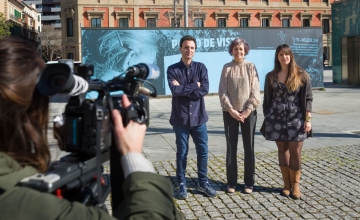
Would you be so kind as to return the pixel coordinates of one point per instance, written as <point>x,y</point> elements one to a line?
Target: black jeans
<point>231,126</point>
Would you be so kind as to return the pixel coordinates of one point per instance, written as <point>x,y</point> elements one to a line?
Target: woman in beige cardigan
<point>239,93</point>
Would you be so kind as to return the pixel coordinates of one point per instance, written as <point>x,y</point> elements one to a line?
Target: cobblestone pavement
<point>329,184</point>
<point>330,180</point>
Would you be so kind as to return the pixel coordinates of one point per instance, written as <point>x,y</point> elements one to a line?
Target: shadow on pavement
<point>336,135</point>
<point>170,131</point>
<point>218,186</point>
<point>334,86</point>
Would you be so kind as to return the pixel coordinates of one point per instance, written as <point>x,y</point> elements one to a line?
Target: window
<point>286,18</point>
<point>173,24</point>
<point>199,18</point>
<point>265,22</point>
<point>326,26</point>
<point>265,18</point>
<point>70,55</point>
<point>123,17</point>
<point>244,22</point>
<point>151,18</point>
<point>306,17</point>
<point>95,22</point>
<point>325,53</point>
<point>286,22</point>
<point>95,16</point>
<point>123,22</point>
<point>69,27</point>
<point>221,22</point>
<point>306,22</point>
<point>198,22</point>
<point>17,14</point>
<point>244,18</point>
<point>151,22</point>
<point>221,18</point>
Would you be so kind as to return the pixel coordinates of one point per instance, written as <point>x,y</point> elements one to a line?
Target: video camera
<point>85,130</point>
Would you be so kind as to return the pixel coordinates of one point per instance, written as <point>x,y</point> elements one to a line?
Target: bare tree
<point>50,42</point>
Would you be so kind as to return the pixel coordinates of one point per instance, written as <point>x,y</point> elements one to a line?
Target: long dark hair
<point>296,76</point>
<point>23,111</point>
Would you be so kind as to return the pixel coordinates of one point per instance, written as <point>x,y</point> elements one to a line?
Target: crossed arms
<point>197,88</point>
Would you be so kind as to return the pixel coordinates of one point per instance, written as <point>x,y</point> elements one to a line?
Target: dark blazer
<point>305,93</point>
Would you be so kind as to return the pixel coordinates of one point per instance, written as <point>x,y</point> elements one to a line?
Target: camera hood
<point>56,78</point>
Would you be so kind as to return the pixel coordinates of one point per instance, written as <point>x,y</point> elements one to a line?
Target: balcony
<point>50,17</point>
<point>56,25</point>
<point>58,9</point>
<point>32,29</point>
<point>17,19</point>
<point>51,9</point>
<point>33,2</point>
<point>51,2</point>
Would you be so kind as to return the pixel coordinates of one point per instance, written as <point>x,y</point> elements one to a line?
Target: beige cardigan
<point>239,86</point>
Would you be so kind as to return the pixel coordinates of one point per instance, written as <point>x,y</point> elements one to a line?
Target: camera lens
<point>57,80</point>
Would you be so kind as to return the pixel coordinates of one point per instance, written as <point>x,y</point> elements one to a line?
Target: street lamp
<point>185,13</point>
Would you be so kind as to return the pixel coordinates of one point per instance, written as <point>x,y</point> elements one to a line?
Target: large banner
<point>112,51</point>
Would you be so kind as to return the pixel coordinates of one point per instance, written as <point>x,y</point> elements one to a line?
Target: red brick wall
<point>210,21</point>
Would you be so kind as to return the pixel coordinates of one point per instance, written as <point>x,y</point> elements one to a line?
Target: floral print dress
<point>284,121</point>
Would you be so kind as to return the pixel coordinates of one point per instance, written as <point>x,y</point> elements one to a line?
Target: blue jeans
<point>200,138</point>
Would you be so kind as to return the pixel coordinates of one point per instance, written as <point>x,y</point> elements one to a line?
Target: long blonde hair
<point>296,75</point>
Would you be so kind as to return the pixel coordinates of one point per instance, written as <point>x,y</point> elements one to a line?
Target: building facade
<point>24,19</point>
<point>200,13</point>
<point>50,11</point>
<point>346,42</point>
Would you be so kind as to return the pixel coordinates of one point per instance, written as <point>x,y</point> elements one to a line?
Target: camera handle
<point>136,114</point>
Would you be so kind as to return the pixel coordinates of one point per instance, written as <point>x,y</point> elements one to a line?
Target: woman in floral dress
<point>287,110</point>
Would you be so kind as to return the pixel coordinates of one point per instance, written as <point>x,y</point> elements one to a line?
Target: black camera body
<point>86,130</point>
<point>82,123</point>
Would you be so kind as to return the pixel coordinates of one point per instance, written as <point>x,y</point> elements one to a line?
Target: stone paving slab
<point>330,186</point>
<point>330,181</point>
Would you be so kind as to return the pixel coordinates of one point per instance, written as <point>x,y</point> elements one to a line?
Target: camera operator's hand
<point>130,138</point>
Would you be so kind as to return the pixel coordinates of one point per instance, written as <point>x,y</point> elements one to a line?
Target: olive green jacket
<point>147,196</point>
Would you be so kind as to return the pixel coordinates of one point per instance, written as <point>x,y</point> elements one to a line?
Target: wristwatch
<point>308,118</point>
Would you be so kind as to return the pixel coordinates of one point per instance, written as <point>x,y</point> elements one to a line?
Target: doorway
<point>353,51</point>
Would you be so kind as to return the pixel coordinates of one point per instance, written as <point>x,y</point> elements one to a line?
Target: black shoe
<point>182,193</point>
<point>207,189</point>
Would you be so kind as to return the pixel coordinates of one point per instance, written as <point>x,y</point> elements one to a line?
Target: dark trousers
<point>231,126</point>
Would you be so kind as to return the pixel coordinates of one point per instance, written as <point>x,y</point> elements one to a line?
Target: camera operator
<point>24,151</point>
